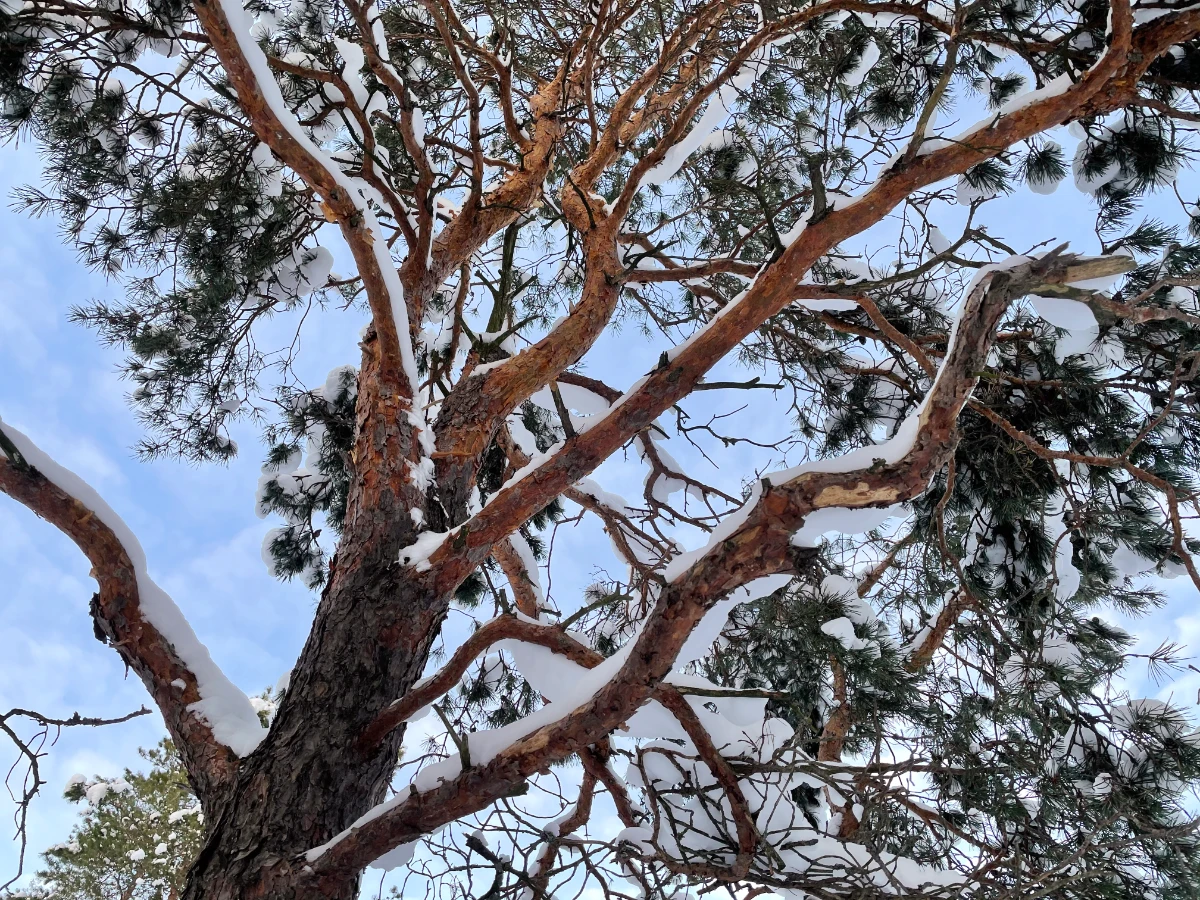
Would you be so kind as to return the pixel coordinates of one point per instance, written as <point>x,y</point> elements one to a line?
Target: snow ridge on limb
<point>210,719</point>
<point>501,628</point>
<point>760,545</point>
<point>228,28</point>
<point>772,290</point>
<point>374,651</point>
<point>987,299</point>
<point>568,676</point>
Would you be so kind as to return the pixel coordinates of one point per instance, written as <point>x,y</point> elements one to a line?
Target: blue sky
<point>197,524</point>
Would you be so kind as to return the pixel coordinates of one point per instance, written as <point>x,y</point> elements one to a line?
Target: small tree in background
<point>135,839</point>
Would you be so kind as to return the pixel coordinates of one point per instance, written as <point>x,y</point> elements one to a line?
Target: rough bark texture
<point>312,777</point>
<point>761,546</point>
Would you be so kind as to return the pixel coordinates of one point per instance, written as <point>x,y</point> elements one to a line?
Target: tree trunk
<point>310,778</point>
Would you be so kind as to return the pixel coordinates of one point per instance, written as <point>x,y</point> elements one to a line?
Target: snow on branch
<point>726,783</point>
<point>211,721</point>
<point>746,555</point>
<point>684,367</point>
<point>228,27</point>
<point>479,403</point>
<point>925,431</point>
<point>502,628</point>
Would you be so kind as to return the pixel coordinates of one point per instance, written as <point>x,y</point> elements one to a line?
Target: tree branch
<point>130,622</point>
<point>753,543</point>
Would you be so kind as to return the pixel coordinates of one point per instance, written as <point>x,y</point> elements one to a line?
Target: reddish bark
<point>118,619</point>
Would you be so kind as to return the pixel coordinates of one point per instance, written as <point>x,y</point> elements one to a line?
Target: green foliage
<point>320,422</point>
<point>135,839</point>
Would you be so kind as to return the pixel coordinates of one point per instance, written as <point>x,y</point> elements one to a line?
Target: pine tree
<point>136,837</point>
<point>886,668</point>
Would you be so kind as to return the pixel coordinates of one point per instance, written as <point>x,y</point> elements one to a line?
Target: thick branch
<point>224,23</point>
<point>772,291</point>
<point>756,542</point>
<point>513,566</point>
<point>498,629</point>
<point>122,622</point>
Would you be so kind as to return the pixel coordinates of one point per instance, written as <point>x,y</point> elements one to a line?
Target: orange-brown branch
<point>120,622</point>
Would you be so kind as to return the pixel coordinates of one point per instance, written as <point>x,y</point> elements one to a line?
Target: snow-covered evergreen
<point>723,279</point>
